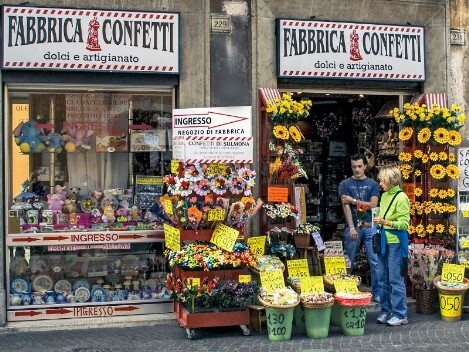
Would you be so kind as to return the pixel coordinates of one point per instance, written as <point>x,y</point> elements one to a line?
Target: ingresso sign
<point>317,49</point>
<point>90,39</point>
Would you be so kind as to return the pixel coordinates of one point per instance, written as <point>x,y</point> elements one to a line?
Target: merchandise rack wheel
<point>192,334</point>
<point>246,330</point>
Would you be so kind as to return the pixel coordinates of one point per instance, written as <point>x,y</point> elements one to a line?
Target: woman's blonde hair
<point>390,175</point>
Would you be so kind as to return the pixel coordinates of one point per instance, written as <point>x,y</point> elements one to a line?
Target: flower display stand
<point>226,274</point>
<point>211,318</point>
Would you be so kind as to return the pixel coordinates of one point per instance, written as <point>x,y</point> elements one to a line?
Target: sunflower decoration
<point>430,229</point>
<point>451,157</point>
<point>420,230</point>
<point>406,133</point>
<point>438,171</point>
<point>452,230</point>
<point>295,134</point>
<point>424,135</point>
<point>417,173</point>
<point>418,191</point>
<point>433,156</point>
<point>454,138</point>
<point>418,153</point>
<point>425,158</point>
<point>442,156</point>
<point>452,171</point>
<point>411,229</point>
<point>281,132</point>
<point>442,193</point>
<point>405,157</point>
<point>441,135</point>
<point>451,193</point>
<point>439,228</point>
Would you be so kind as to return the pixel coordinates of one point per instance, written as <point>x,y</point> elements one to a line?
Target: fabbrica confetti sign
<point>317,49</point>
<point>90,39</point>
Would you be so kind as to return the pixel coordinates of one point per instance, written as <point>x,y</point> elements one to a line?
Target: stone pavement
<point>423,333</point>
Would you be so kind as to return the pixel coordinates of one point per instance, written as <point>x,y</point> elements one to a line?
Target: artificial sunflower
<point>417,173</point>
<point>405,157</point>
<point>452,229</point>
<point>418,153</point>
<point>295,133</point>
<point>438,171</point>
<point>441,135</point>
<point>451,193</point>
<point>442,193</point>
<point>418,191</point>
<point>440,228</point>
<point>454,138</point>
<point>452,171</point>
<point>281,132</point>
<point>406,133</point>
<point>411,230</point>
<point>420,230</point>
<point>424,135</point>
<point>442,156</point>
<point>451,157</point>
<point>430,228</point>
<point>433,192</point>
<point>425,158</point>
<point>433,156</point>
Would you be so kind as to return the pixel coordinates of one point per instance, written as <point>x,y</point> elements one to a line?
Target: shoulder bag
<point>377,236</point>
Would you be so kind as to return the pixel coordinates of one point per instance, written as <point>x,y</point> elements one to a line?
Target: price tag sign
<point>244,278</point>
<point>257,244</point>
<point>451,306</point>
<point>347,286</point>
<point>168,207</point>
<point>464,243</point>
<point>272,279</point>
<point>312,284</point>
<point>172,237</point>
<point>277,194</point>
<point>335,265</point>
<point>216,214</point>
<point>174,166</point>
<point>453,272</point>
<point>217,168</point>
<point>224,237</point>
<point>193,282</point>
<point>318,240</point>
<point>298,267</point>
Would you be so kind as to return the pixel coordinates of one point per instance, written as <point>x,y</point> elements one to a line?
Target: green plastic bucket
<point>336,315</point>
<point>317,322</point>
<point>279,323</point>
<point>299,318</point>
<point>353,320</point>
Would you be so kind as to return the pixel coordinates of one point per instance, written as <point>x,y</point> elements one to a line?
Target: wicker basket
<point>353,302</point>
<point>329,285</point>
<point>450,290</point>
<point>426,300</point>
<point>277,306</point>
<point>318,305</point>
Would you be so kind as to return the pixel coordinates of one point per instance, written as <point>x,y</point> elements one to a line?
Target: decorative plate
<point>63,286</point>
<point>18,285</point>
<point>81,283</point>
<point>88,204</point>
<point>98,294</point>
<point>82,294</point>
<point>42,283</point>
<point>110,201</point>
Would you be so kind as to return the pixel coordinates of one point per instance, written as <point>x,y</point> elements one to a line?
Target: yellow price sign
<point>193,282</point>
<point>465,263</point>
<point>257,244</point>
<point>335,265</point>
<point>244,278</point>
<point>453,272</point>
<point>217,168</point>
<point>172,237</point>
<point>175,166</point>
<point>224,237</point>
<point>312,284</point>
<point>272,279</point>
<point>216,214</point>
<point>298,267</point>
<point>168,207</point>
<point>347,286</point>
<point>451,305</point>
<point>464,243</point>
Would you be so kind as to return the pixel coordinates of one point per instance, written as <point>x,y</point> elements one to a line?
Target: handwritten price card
<point>168,207</point>
<point>193,282</point>
<point>257,244</point>
<point>347,286</point>
<point>174,166</point>
<point>217,168</point>
<point>464,243</point>
<point>298,267</point>
<point>216,215</point>
<point>453,272</point>
<point>172,237</point>
<point>272,279</point>
<point>244,278</point>
<point>335,265</point>
<point>277,194</point>
<point>224,237</point>
<point>312,284</point>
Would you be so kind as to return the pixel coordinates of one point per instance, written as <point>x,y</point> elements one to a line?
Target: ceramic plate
<point>88,204</point>
<point>81,283</point>
<point>63,286</point>
<point>82,294</point>
<point>42,283</point>
<point>110,200</point>
<point>98,294</point>
<point>18,285</point>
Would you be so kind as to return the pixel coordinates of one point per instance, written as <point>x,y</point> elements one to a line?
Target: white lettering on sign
<point>350,50</point>
<point>95,237</point>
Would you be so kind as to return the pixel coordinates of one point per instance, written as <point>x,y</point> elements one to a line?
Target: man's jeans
<point>393,295</point>
<point>365,236</point>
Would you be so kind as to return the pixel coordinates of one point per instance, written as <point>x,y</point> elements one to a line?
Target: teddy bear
<point>77,140</point>
<point>74,194</point>
<point>55,202</point>
<point>55,143</point>
<point>29,138</point>
<point>60,190</point>
<point>69,207</point>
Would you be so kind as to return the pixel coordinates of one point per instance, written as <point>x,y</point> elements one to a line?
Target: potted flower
<point>235,295</point>
<point>302,234</point>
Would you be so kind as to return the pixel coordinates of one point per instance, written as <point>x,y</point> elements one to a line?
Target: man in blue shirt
<point>359,191</point>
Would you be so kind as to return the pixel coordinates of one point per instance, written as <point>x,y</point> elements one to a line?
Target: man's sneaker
<point>395,321</point>
<point>377,299</point>
<point>382,318</point>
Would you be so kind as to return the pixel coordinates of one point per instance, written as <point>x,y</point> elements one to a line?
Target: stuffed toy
<point>60,190</point>
<point>29,138</point>
<point>55,202</point>
<point>74,194</point>
<point>77,140</point>
<point>55,143</point>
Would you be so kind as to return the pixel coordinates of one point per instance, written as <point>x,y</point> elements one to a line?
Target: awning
<point>430,99</point>
<point>267,94</point>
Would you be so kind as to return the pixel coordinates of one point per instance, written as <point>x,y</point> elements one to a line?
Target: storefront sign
<point>80,247</point>
<point>316,49</point>
<point>90,39</point>
<point>463,164</point>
